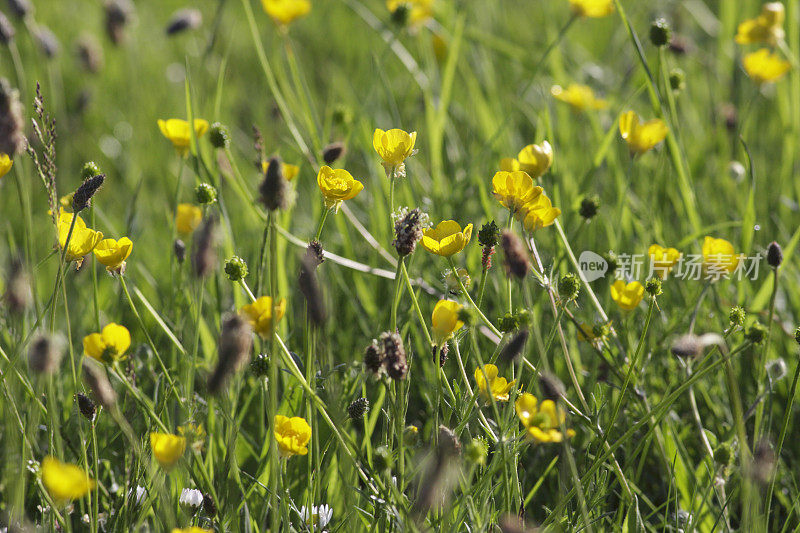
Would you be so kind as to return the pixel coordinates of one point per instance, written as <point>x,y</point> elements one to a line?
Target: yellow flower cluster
<point>641,136</point>
<point>292,435</point>
<point>284,12</point>
<point>167,448</point>
<point>767,27</point>
<point>542,422</point>
<point>580,97</point>
<point>5,164</point>
<point>260,314</point>
<point>65,481</point>
<point>764,66</point>
<point>109,345</point>
<point>526,201</point>
<point>592,8</point>
<point>497,387</point>
<point>83,239</point>
<point>179,132</point>
<point>445,320</point>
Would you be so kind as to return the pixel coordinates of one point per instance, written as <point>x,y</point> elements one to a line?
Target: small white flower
<point>191,497</point>
<point>320,515</point>
<point>137,495</point>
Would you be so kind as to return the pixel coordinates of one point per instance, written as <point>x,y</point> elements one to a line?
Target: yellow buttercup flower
<point>580,97</point>
<point>5,164</point>
<point>509,164</point>
<point>113,253</point>
<point>419,10</point>
<point>109,345</point>
<point>538,213</point>
<point>764,66</point>
<point>187,218</point>
<point>445,320</point>
<point>627,295</point>
<point>641,136</point>
<point>65,481</point>
<point>535,159</point>
<point>592,8</point>
<point>719,257</point>
<point>499,387</point>
<point>290,172</point>
<point>337,186</point>
<point>178,132</point>
<point>191,529</point>
<point>447,238</point>
<point>292,435</point>
<point>394,146</point>
<point>167,448</point>
<point>663,259</point>
<point>765,28</point>
<point>83,239</point>
<point>259,314</point>
<point>283,12</point>
<point>514,189</point>
<point>542,422</point>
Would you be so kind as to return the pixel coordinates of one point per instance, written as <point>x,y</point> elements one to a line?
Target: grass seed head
<point>235,342</point>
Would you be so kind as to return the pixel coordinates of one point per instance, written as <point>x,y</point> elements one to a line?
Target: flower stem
<point>485,320</point>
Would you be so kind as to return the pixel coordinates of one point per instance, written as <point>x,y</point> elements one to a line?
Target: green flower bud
<point>488,235</point>
<point>756,333</point>
<point>235,268</point>
<point>411,435</point>
<point>723,455</point>
<point>476,452</point>
<point>589,207</point>
<point>205,194</point>
<point>736,317</point>
<point>401,15</point>
<point>653,287</point>
<point>660,32</point>
<point>677,80</point>
<point>507,323</point>
<point>259,366</point>
<point>89,170</point>
<point>568,287</point>
<point>218,135</point>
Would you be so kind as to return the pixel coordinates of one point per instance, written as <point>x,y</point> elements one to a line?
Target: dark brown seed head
<point>118,16</point>
<point>20,8</point>
<point>311,290</point>
<point>396,362</point>
<point>83,195</point>
<point>86,406</point>
<point>12,138</point>
<point>44,354</point>
<point>208,504</point>
<point>516,258</point>
<point>552,387</point>
<point>274,189</point>
<point>235,343</point>
<point>449,444</point>
<point>513,348</point>
<point>774,255</point>
<point>90,54</point>
<point>374,359</point>
<point>332,152</point>
<point>315,252</point>
<point>47,41</point>
<point>183,20</point>
<point>95,378</point>
<point>204,259</point>
<point>408,232</point>
<point>7,30</point>
<point>18,296</point>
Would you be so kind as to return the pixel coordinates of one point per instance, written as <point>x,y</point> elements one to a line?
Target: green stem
<point>485,320</point>
<point>762,360</point>
<point>321,224</point>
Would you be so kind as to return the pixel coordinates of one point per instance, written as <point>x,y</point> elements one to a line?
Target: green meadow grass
<point>661,443</point>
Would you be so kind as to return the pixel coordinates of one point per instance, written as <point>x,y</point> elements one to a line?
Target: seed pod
<point>118,16</point>
<point>333,151</point>
<point>12,138</point>
<point>218,135</point>
<point>396,362</point>
<point>774,255</point>
<point>516,258</point>
<point>20,8</point>
<point>358,408</point>
<point>236,268</point>
<point>90,55</point>
<point>235,343</point>
<point>259,366</point>
<point>513,349</point>
<point>315,253</point>
<point>179,247</point>
<point>95,378</point>
<point>86,406</point>
<point>312,292</point>
<point>208,504</point>
<point>569,286</point>
<point>83,195</point>
<point>204,259</point>
<point>18,296</point>
<point>274,189</point>
<point>408,232</point>
<point>44,354</point>
<point>7,30</point>
<point>737,316</point>
<point>184,19</point>
<point>374,359</point>
<point>47,41</point>
<point>590,205</point>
